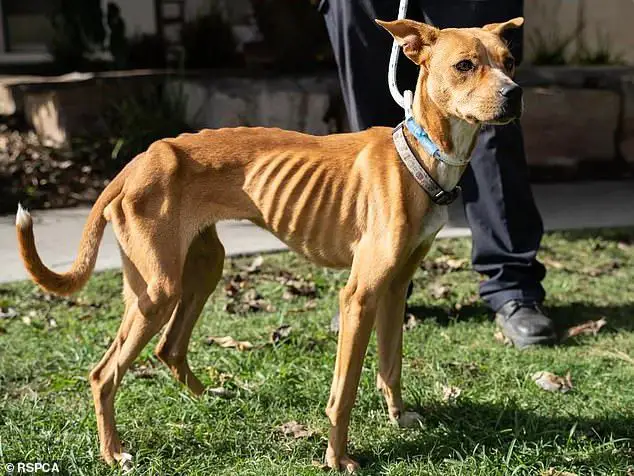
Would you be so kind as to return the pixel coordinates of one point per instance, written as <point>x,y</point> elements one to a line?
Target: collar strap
<point>424,179</point>
<point>430,147</point>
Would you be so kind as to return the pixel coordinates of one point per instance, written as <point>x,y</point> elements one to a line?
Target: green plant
<point>153,113</point>
<point>549,48</point>
<point>603,54</point>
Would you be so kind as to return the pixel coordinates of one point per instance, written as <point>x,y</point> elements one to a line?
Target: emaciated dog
<point>343,200</point>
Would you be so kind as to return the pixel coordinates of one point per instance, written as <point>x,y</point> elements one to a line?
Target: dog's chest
<point>432,223</point>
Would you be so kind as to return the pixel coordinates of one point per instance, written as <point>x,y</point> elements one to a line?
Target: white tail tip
<point>22,218</point>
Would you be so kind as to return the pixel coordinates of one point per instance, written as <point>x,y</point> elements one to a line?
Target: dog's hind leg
<point>152,259</point>
<point>201,273</point>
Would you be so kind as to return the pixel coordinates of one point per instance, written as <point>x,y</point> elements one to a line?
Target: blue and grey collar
<point>430,147</point>
<point>437,194</point>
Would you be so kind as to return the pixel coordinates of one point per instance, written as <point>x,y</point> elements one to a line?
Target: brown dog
<point>342,200</point>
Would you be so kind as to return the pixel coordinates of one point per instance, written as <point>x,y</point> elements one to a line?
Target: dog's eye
<point>509,64</point>
<point>464,66</point>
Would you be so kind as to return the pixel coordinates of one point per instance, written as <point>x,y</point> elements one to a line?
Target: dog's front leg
<point>357,306</point>
<point>389,335</point>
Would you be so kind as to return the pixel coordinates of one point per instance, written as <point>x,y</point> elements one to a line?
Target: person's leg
<point>362,51</point>
<point>505,224</point>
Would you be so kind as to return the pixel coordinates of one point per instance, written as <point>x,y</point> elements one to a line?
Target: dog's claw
<point>409,420</point>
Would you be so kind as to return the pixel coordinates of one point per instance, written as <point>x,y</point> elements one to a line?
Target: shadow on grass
<point>620,318</point>
<point>466,426</point>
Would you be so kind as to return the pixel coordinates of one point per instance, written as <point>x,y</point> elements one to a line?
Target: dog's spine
<point>81,269</point>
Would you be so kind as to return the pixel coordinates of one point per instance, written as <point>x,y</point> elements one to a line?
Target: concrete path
<point>563,206</point>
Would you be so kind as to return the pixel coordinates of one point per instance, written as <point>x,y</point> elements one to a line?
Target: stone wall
<point>572,115</point>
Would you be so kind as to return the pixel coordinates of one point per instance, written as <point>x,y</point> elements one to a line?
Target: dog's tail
<point>74,279</point>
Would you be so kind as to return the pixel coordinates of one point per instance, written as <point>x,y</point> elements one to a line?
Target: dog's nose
<point>512,92</point>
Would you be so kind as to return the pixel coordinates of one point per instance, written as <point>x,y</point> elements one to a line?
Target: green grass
<point>502,423</point>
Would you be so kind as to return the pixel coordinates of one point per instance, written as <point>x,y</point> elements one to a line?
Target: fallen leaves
<point>439,291</point>
<point>410,322</point>
<point>220,392</point>
<point>501,338</point>
<point>587,328</point>
<point>450,393</point>
<point>445,263</point>
<point>255,265</point>
<point>556,472</point>
<point>247,301</point>
<point>296,430</point>
<point>299,287</point>
<point>280,334</point>
<point>228,342</point>
<point>7,313</point>
<point>553,383</point>
<point>595,271</point>
<point>277,336</point>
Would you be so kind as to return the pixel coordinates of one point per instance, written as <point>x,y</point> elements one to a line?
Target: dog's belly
<point>310,207</point>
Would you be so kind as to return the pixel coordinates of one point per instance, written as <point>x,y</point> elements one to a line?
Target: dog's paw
<point>344,463</point>
<point>408,420</point>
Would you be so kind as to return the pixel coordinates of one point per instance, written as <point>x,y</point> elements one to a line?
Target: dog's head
<point>466,72</point>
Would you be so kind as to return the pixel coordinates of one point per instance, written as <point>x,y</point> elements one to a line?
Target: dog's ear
<point>414,37</point>
<point>499,28</point>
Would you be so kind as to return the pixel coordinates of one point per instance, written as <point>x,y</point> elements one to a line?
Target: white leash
<point>403,100</point>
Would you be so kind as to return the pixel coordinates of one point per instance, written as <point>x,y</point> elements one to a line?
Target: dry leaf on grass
<point>439,291</point>
<point>552,264</point>
<point>52,323</point>
<point>450,394</point>
<point>255,265</point>
<point>7,313</point>
<point>229,342</point>
<point>552,383</point>
<point>251,301</point>
<point>410,322</point>
<point>299,287</point>
<point>615,355</point>
<point>501,338</point>
<point>587,328</point>
<point>555,472</point>
<point>296,430</point>
<point>323,466</point>
<point>450,264</point>
<point>144,371</point>
<point>595,271</point>
<point>220,392</point>
<point>280,334</point>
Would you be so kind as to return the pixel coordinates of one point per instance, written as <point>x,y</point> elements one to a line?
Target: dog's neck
<point>454,137</point>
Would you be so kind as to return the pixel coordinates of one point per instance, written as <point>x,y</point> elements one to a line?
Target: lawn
<point>501,423</point>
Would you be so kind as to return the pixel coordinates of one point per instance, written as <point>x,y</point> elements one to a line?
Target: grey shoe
<point>525,324</point>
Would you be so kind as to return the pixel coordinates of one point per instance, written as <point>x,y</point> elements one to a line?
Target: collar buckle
<point>446,198</point>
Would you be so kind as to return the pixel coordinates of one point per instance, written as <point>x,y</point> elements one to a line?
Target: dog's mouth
<point>508,113</point>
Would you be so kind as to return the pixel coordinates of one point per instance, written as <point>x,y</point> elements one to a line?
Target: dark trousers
<point>505,224</point>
